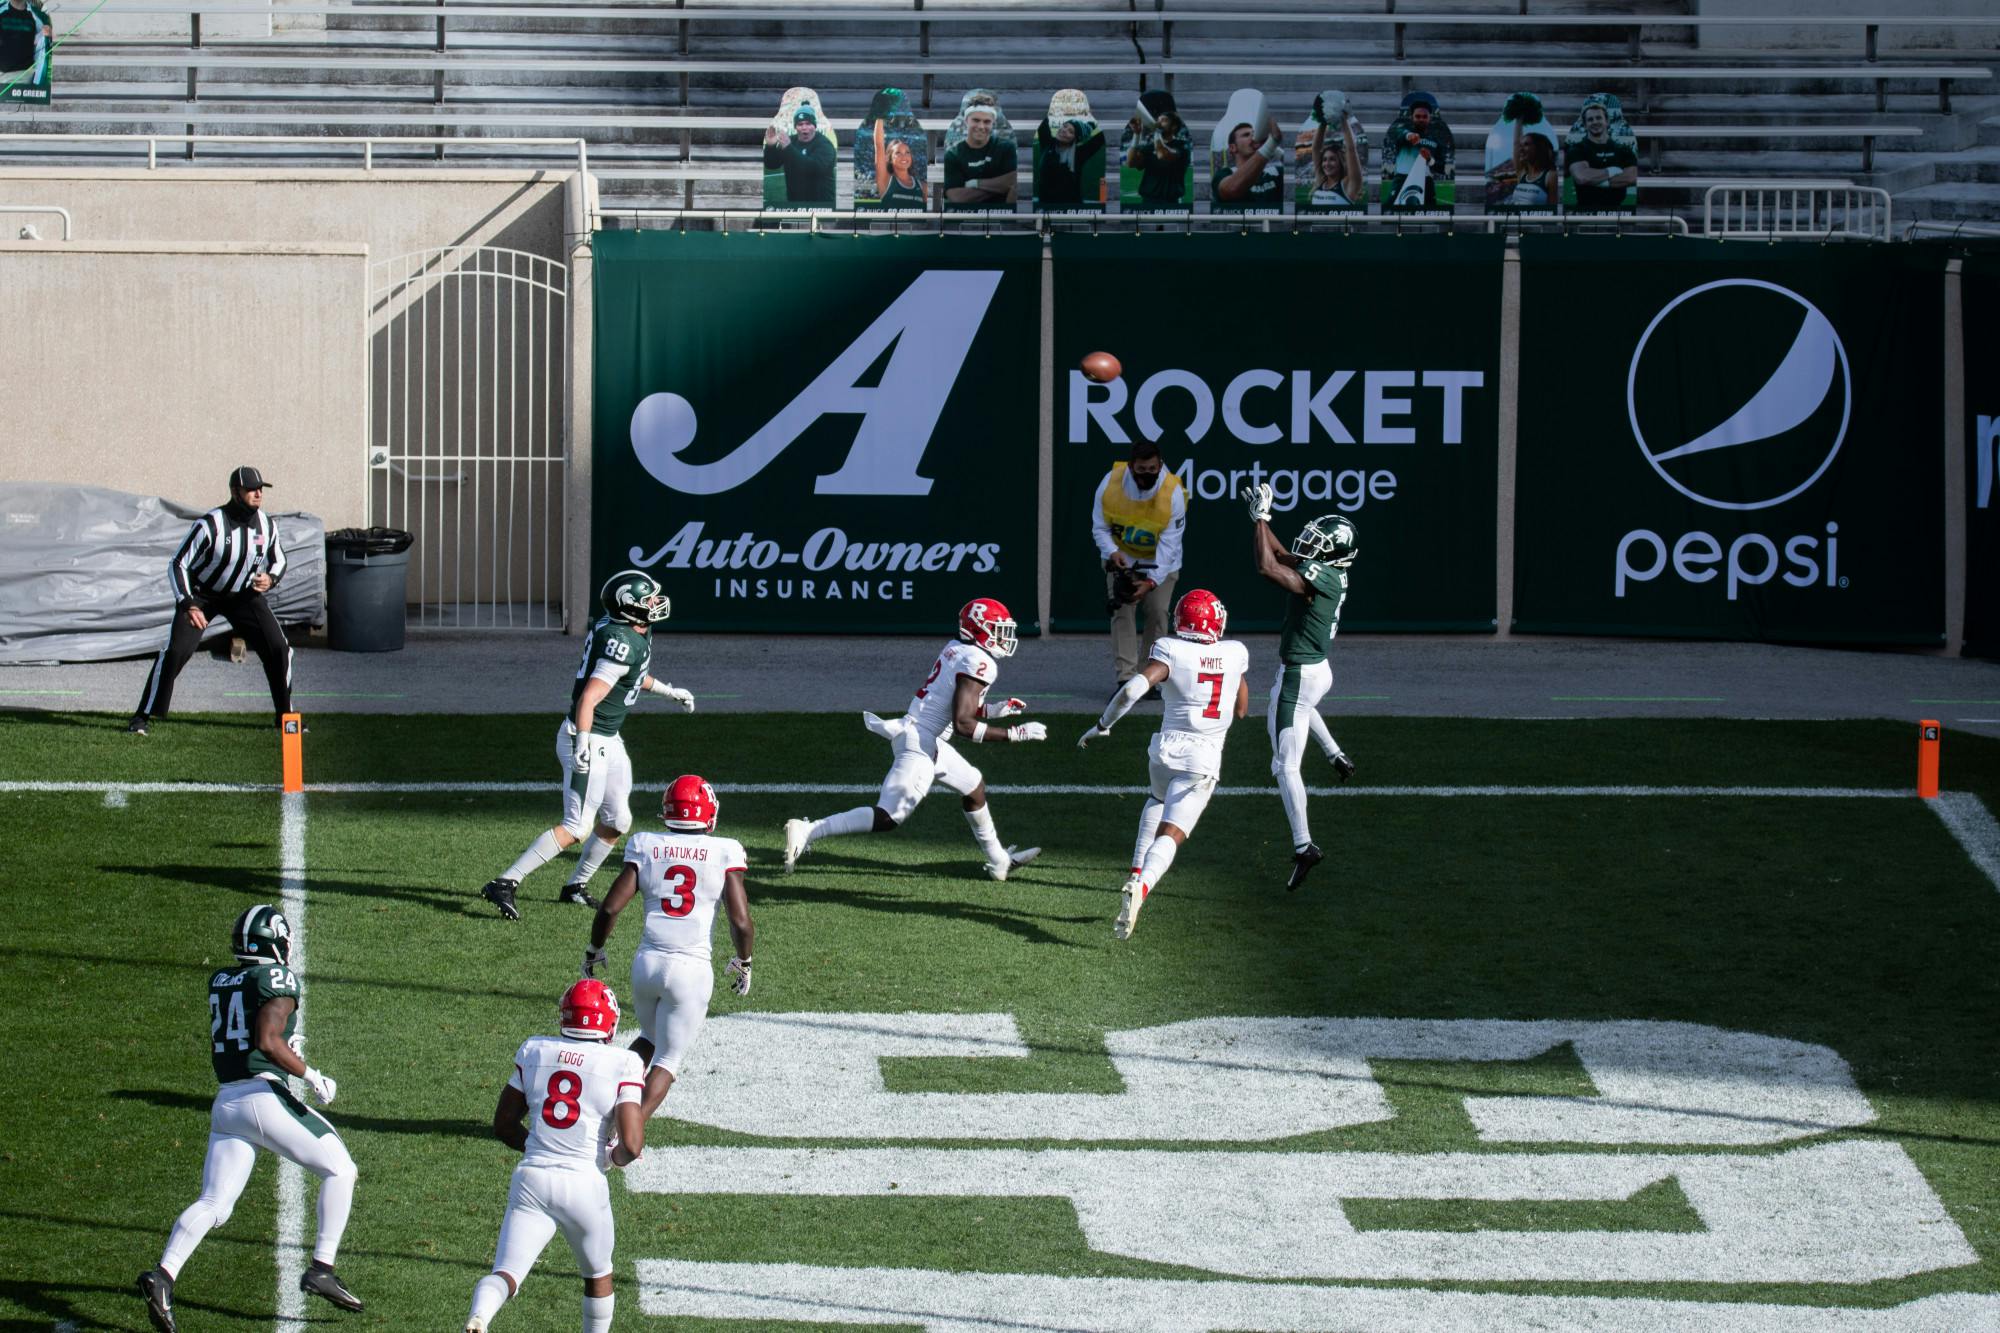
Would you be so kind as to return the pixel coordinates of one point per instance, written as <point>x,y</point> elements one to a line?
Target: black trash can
<point>367,570</point>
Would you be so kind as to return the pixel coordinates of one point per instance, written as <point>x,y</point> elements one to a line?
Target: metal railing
<point>817,220</point>
<point>40,210</point>
<point>367,144</point>
<point>1796,210</point>
<point>1949,229</point>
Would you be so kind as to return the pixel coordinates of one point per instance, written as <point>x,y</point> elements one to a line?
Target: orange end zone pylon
<point>1928,734</point>
<point>291,739</point>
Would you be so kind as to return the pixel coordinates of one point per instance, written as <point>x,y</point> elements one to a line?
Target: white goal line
<point>997,789</point>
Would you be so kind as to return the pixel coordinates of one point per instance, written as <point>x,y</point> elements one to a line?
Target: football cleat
<point>578,894</point>
<point>1016,858</point>
<point>157,1290</point>
<point>137,726</point>
<point>323,1281</point>
<point>475,1326</point>
<point>1303,860</point>
<point>1343,767</point>
<point>1128,911</point>
<point>500,892</point>
<point>797,831</point>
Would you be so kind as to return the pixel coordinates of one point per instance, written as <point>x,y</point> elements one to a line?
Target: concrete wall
<point>392,212</point>
<point>1843,38</point>
<point>159,367</point>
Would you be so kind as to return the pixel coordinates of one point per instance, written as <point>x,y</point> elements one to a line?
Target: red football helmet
<point>1200,615</point>
<point>690,805</point>
<point>989,624</point>
<point>589,1010</point>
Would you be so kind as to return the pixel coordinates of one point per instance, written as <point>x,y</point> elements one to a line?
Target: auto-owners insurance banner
<point>1730,440</point>
<point>1357,375</point>
<point>817,433</point>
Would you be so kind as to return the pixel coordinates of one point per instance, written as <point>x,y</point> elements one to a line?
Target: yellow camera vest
<point>1136,525</point>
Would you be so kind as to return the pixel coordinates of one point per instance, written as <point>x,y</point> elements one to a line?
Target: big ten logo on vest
<point>1213,1195</point>
<point>926,332</point>
<point>1775,425</point>
<point>1260,407</point>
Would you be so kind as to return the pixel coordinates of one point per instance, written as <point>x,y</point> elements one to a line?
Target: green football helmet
<point>635,596</point>
<point>1329,539</point>
<point>262,935</point>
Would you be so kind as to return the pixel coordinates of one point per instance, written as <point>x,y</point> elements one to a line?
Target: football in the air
<point>1101,367</point>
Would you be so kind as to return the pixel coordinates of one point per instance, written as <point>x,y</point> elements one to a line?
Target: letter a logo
<point>931,327</point>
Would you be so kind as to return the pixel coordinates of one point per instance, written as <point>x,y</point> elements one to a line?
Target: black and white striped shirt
<point>224,550</point>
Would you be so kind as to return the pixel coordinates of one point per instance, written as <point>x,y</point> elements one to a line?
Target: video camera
<point>1125,581</point>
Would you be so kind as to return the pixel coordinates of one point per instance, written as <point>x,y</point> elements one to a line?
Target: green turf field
<point>1568,1095</point>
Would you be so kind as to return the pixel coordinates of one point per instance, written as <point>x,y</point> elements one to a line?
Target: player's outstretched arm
<point>620,893</point>
<point>1150,676</point>
<point>654,685</point>
<point>1271,563</point>
<point>510,1117</point>
<point>966,722</point>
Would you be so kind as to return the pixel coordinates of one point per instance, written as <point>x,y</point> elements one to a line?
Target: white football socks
<point>1158,858</point>
<point>858,820</point>
<point>1292,791</point>
<point>989,840</point>
<point>1149,829</point>
<point>488,1297</point>
<point>597,1313</point>
<point>336,1200</point>
<point>1328,746</point>
<point>196,1221</point>
<point>540,852</point>
<point>595,849</point>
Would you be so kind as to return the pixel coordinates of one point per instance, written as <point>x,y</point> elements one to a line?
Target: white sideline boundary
<point>291,1244</point>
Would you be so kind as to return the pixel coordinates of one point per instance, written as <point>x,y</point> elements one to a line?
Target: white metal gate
<point>468,418</point>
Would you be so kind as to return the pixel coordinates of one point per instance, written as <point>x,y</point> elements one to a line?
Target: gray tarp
<point>83,572</point>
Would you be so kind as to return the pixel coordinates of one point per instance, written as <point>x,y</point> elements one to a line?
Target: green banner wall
<point>810,433</point>
<point>1730,440</point>
<point>1357,374</point>
<point>1979,317</point>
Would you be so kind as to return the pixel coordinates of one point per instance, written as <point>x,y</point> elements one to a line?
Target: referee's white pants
<point>546,1199</point>
<point>254,1113</point>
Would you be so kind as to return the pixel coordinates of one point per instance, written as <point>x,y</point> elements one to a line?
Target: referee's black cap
<point>247,478</point>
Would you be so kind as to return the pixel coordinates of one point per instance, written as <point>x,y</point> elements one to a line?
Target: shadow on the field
<point>324,978</point>
<point>267,883</point>
<point>183,1101</point>
<point>1022,924</point>
<point>255,1244</point>
<point>51,1303</point>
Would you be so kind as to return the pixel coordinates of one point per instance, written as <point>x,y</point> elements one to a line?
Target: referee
<point>230,559</point>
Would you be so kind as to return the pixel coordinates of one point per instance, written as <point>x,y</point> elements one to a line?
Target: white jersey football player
<point>682,874</point>
<point>1200,676</point>
<point>951,702</point>
<point>572,1111</point>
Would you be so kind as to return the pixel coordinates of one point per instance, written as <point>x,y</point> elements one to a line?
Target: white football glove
<point>322,1086</point>
<point>1258,497</point>
<point>685,698</point>
<point>1028,731</point>
<point>604,1151</point>
<point>738,973</point>
<point>579,749</point>
<point>594,959</point>
<point>297,1041</point>
<point>1005,708</point>
<point>1090,735</point>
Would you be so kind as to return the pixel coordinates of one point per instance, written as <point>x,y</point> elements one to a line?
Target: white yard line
<point>291,1177</point>
<point>1969,821</point>
<point>999,789</point>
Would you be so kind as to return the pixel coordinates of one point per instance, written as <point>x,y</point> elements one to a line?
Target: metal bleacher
<point>667,102</point>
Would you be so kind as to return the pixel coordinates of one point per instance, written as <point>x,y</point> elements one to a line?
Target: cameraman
<point>1137,519</point>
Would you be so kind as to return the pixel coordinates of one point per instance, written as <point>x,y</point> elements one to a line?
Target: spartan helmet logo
<point>1774,416</point>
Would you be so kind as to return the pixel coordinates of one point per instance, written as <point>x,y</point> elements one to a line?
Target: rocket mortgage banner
<point>1357,375</point>
<point>1730,441</point>
<point>807,433</point>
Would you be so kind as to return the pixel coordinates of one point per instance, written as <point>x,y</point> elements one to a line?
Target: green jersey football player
<point>253,1017</point>
<point>596,772</point>
<point>1314,572</point>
